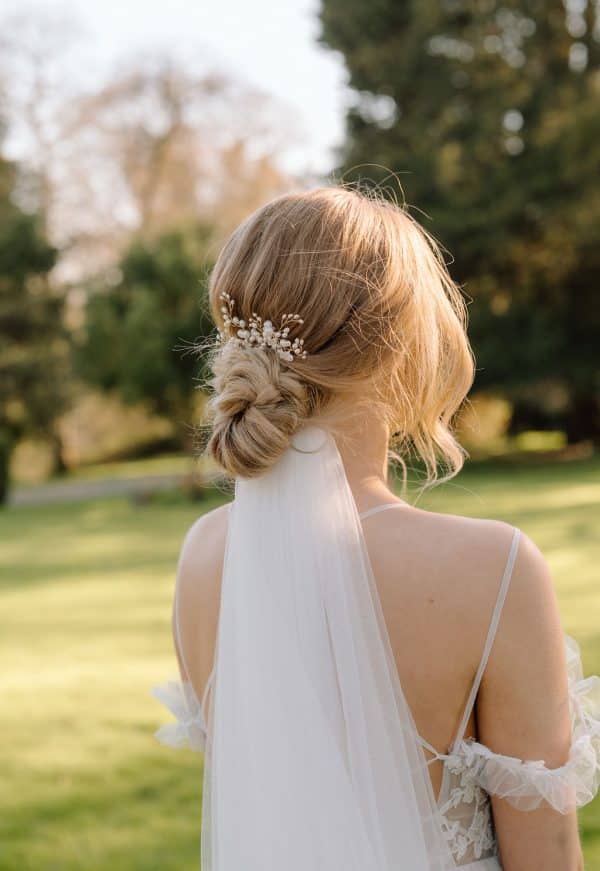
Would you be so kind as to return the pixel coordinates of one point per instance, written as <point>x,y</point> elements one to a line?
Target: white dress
<point>472,772</point>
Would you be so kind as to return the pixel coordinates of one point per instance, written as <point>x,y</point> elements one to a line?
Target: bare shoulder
<point>458,561</point>
<point>523,706</point>
<point>201,557</point>
<point>198,595</point>
<point>476,553</point>
<point>523,710</point>
<point>467,540</point>
<point>471,556</point>
<point>524,687</point>
<point>529,640</point>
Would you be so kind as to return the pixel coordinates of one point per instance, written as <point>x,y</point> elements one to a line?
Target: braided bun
<point>258,405</point>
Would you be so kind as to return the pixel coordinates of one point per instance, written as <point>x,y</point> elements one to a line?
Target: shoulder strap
<point>489,641</point>
<point>385,506</point>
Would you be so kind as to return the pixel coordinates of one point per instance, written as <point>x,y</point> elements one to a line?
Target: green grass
<point>86,593</point>
<point>162,464</point>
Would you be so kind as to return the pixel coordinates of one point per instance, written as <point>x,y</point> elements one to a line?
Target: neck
<point>363,445</point>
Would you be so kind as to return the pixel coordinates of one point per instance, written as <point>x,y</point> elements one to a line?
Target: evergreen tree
<point>33,341</point>
<point>140,331</point>
<point>490,113</point>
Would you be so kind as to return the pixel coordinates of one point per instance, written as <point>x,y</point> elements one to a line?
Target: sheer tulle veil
<point>312,759</point>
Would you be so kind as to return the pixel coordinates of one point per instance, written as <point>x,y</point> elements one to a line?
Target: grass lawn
<point>86,593</point>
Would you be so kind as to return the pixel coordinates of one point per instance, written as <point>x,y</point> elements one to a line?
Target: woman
<point>367,677</point>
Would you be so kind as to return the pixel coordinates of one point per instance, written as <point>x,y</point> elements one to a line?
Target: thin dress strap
<point>383,507</point>
<point>508,570</point>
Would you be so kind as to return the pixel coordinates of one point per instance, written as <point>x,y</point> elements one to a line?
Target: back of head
<point>381,320</point>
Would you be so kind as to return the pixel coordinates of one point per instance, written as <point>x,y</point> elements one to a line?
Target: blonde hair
<point>383,321</point>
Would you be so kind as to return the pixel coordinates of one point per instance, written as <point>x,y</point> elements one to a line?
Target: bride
<point>375,687</point>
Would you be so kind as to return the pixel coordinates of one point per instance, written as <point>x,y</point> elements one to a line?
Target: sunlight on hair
<point>384,326</point>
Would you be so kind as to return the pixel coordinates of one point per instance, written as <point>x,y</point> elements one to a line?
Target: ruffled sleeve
<point>189,728</point>
<point>526,784</point>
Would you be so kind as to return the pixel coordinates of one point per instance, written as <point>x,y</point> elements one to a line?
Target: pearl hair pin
<point>257,333</point>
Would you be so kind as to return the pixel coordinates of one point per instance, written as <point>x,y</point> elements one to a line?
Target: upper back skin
<point>437,577</point>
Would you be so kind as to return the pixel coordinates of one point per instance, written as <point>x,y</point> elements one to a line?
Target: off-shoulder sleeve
<point>189,727</point>
<point>526,784</point>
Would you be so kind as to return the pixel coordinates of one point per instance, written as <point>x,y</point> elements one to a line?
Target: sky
<point>269,44</point>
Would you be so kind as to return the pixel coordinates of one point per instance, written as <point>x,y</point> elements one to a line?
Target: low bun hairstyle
<point>258,404</point>
<point>383,324</point>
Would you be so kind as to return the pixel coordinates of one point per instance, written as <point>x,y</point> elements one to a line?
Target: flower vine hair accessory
<point>260,334</point>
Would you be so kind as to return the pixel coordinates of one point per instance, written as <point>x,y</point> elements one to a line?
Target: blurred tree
<point>33,342</point>
<point>34,44</point>
<point>141,327</point>
<point>155,144</point>
<point>492,109</point>
<point>165,136</point>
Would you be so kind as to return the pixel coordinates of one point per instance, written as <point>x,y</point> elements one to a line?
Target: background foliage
<point>150,316</point>
<point>489,113</point>
<point>32,337</point>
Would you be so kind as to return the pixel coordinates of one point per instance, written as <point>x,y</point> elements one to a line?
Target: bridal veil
<point>312,759</point>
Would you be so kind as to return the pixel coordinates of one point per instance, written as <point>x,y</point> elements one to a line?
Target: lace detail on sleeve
<point>526,784</point>
<point>189,728</point>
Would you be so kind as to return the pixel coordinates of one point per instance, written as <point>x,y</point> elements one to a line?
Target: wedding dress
<point>311,755</point>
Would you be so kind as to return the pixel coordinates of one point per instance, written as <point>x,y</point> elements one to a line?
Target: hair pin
<point>257,333</point>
